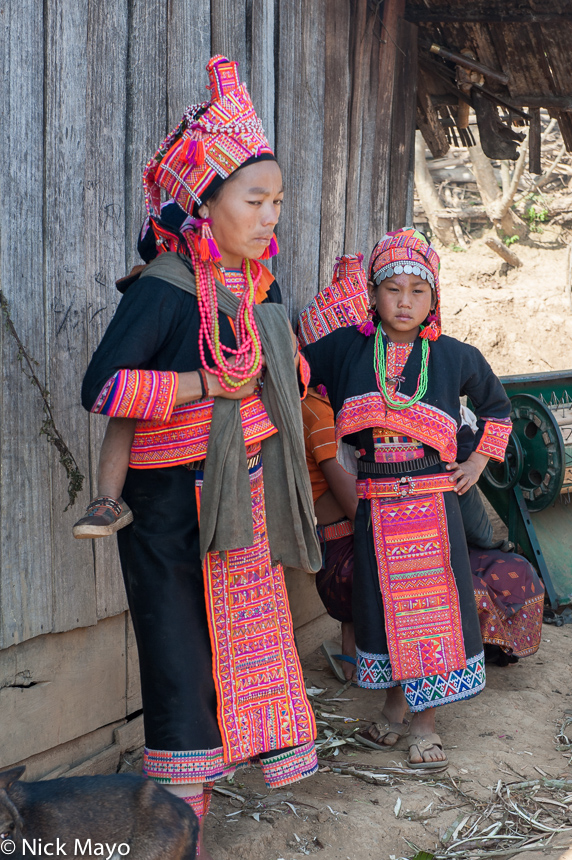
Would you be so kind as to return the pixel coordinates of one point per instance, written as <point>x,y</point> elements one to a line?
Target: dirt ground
<point>506,733</point>
<point>522,320</point>
<point>523,324</point>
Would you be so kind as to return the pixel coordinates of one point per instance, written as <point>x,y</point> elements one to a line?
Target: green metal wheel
<point>505,475</point>
<point>540,439</point>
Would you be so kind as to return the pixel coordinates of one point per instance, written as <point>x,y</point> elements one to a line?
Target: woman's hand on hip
<point>468,473</point>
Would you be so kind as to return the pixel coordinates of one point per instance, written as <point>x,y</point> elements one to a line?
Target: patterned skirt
<point>510,600</point>
<point>414,609</point>
<point>335,580</point>
<point>220,676</point>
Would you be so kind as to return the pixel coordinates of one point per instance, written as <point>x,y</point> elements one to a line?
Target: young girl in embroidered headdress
<point>202,561</point>
<point>394,383</point>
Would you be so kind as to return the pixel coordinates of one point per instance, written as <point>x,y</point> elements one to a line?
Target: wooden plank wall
<point>90,90</point>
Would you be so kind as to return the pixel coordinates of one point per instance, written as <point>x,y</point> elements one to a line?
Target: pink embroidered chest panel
<point>427,424</point>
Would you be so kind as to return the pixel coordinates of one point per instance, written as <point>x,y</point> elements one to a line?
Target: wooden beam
<point>561,103</point>
<point>428,121</point>
<point>369,142</point>
<point>481,11</point>
<point>56,688</point>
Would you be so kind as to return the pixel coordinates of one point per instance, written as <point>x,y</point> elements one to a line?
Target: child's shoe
<point>103,516</point>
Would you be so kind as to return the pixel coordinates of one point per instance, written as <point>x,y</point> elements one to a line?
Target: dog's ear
<point>8,777</point>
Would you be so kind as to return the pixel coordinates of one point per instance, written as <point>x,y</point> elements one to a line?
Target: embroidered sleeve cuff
<point>304,373</point>
<point>148,395</point>
<point>494,440</point>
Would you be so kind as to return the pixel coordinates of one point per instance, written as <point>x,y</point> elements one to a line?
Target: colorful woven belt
<point>399,466</point>
<point>199,465</point>
<point>380,488</point>
<point>335,530</point>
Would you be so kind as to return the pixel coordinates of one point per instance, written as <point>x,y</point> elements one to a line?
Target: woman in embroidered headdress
<point>394,383</point>
<point>184,356</point>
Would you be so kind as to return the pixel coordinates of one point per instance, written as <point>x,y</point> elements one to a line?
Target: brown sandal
<point>382,730</point>
<point>423,744</point>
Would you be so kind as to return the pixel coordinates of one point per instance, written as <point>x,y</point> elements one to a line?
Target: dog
<point>123,815</point>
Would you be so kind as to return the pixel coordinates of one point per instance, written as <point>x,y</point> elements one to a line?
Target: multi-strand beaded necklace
<point>379,364</point>
<point>233,367</point>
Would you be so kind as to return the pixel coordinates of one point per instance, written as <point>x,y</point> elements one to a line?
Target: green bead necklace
<point>379,365</point>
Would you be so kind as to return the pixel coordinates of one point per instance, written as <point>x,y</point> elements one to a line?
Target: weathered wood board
<point>59,687</point>
<point>26,591</point>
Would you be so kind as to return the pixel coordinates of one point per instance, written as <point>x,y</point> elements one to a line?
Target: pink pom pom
<point>193,152</point>
<point>366,328</point>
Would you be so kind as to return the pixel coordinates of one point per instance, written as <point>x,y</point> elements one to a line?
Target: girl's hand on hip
<point>468,473</point>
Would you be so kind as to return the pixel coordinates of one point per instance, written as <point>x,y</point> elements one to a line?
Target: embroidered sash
<point>262,704</point>
<point>420,597</point>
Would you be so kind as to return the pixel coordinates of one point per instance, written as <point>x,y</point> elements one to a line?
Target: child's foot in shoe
<point>103,516</point>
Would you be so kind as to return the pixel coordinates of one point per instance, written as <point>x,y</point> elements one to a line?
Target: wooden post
<point>299,147</point>
<point>228,29</point>
<point>105,98</point>
<point>25,495</point>
<point>336,122</point>
<point>262,79</point>
<point>393,11</point>
<point>569,275</point>
<point>403,127</point>
<point>189,41</point>
<point>66,287</point>
<point>534,164</point>
<point>146,110</point>
<point>360,51</point>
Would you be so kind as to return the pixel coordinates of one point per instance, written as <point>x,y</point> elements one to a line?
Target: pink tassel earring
<point>367,327</point>
<point>271,249</point>
<point>208,248</point>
